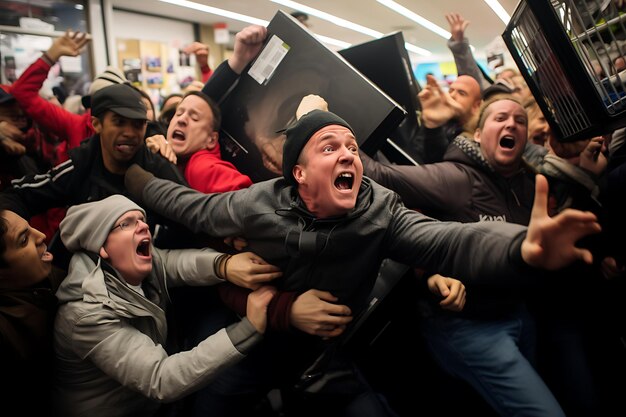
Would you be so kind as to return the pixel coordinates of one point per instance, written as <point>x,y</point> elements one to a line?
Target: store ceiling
<point>484,26</point>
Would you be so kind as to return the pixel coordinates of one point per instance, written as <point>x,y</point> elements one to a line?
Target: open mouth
<point>126,147</point>
<point>178,135</point>
<point>344,181</point>
<point>539,138</point>
<point>507,142</point>
<point>143,249</point>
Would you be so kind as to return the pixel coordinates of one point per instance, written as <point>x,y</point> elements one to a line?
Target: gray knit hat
<point>87,226</point>
<point>299,134</point>
<point>110,76</point>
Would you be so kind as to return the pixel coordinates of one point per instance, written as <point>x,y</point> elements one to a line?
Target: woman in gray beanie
<point>111,328</point>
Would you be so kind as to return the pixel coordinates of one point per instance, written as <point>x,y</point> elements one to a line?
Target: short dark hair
<point>4,227</point>
<point>217,114</point>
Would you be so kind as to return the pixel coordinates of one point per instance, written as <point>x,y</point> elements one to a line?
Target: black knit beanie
<point>299,134</point>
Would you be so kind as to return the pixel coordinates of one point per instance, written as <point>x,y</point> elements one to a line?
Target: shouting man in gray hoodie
<point>110,328</point>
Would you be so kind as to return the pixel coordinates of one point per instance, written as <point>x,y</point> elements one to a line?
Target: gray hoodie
<point>109,338</point>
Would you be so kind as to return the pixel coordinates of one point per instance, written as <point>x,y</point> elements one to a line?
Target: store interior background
<point>145,37</point>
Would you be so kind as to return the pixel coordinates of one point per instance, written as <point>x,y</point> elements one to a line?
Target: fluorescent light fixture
<point>412,48</point>
<point>499,10</point>
<point>331,18</point>
<point>331,41</point>
<point>416,18</point>
<point>219,12</point>
<point>346,24</point>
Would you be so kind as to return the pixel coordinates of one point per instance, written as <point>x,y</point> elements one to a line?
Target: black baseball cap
<point>121,99</point>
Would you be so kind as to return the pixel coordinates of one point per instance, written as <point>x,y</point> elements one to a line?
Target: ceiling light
<point>346,24</point>
<point>416,18</point>
<point>412,48</point>
<point>219,12</point>
<point>331,18</point>
<point>331,41</point>
<point>499,10</point>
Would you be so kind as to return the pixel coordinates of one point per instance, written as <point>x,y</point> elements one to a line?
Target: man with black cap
<point>96,168</point>
<point>328,228</point>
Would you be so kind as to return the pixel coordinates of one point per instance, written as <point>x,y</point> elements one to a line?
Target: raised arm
<point>50,117</point>
<point>551,241</point>
<point>248,43</point>
<point>461,51</point>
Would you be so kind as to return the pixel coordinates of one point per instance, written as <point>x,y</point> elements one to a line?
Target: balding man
<point>445,115</point>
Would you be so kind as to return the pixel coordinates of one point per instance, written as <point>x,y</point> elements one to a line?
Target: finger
<point>332,333</point>
<point>265,277</point>
<point>324,295</point>
<point>337,309</point>
<point>540,204</point>
<point>443,289</point>
<point>573,216</point>
<point>337,320</point>
<point>584,255</point>
<point>265,268</point>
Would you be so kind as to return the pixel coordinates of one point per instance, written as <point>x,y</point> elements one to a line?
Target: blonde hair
<point>482,113</point>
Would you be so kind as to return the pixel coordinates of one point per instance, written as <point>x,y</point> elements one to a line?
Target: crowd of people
<point>141,274</point>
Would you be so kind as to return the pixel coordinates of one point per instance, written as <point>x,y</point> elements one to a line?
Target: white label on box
<point>268,60</point>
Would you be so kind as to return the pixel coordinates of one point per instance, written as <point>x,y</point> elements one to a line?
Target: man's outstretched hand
<point>551,241</point>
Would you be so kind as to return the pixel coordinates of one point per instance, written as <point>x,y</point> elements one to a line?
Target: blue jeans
<point>495,357</point>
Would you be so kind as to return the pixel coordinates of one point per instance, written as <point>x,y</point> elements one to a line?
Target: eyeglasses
<point>129,223</point>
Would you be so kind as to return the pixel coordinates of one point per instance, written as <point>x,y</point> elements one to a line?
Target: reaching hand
<point>314,312</point>
<point>248,43</point>
<point>592,159</point>
<point>310,102</point>
<point>10,131</point>
<point>70,44</point>
<point>451,290</point>
<point>256,307</point>
<point>158,143</point>
<point>457,26</point>
<point>12,147</point>
<point>550,241</point>
<point>438,107</point>
<point>249,270</point>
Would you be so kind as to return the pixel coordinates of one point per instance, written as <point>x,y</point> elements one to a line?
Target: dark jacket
<point>83,178</point>
<point>80,179</point>
<point>465,188</point>
<point>26,355</point>
<point>341,255</point>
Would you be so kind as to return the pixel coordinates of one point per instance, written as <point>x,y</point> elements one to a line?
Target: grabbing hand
<point>452,292</point>
<point>315,313</point>
<point>256,307</point>
<point>70,44</point>
<point>158,143</point>
<point>438,107</point>
<point>249,270</point>
<point>12,147</point>
<point>248,43</point>
<point>550,242</point>
<point>10,131</point>
<point>592,159</point>
<point>310,102</point>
